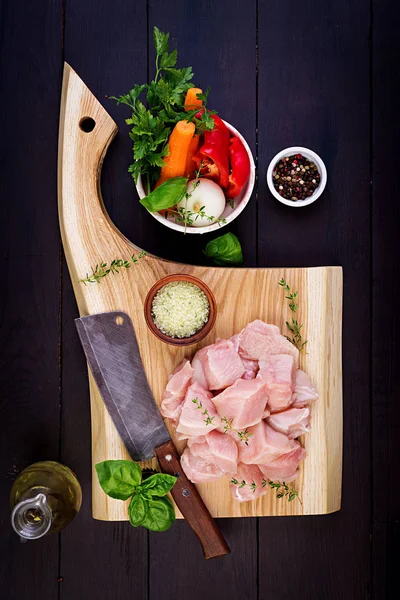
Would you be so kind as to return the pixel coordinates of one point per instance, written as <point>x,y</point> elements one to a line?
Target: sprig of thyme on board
<point>294,327</point>
<point>102,269</point>
<point>199,405</point>
<point>243,436</point>
<point>282,489</point>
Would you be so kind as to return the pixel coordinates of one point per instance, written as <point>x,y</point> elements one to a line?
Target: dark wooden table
<point>314,73</point>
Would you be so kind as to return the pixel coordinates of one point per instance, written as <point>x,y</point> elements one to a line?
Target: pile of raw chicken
<point>241,404</point>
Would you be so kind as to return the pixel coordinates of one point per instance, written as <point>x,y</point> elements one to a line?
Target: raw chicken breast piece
<point>250,366</point>
<point>192,420</point>
<point>304,390</point>
<point>259,340</point>
<point>292,422</point>
<point>284,468</point>
<point>222,365</point>
<point>244,402</point>
<point>216,448</point>
<point>198,370</point>
<point>175,391</point>
<point>264,445</point>
<point>250,474</point>
<point>278,373</point>
<point>197,469</point>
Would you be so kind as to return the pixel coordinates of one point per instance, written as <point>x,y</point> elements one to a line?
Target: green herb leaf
<point>166,195</point>
<point>136,510</point>
<point>159,484</point>
<point>119,478</point>
<point>225,250</point>
<point>168,60</point>
<point>160,40</point>
<point>159,515</point>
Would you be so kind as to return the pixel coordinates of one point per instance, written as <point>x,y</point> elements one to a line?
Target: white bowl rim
<point>232,216</point>
<point>311,155</point>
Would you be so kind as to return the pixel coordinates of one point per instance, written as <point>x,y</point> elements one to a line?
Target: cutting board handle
<point>191,505</point>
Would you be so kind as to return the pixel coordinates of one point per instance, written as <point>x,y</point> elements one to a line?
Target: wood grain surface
<point>242,295</point>
<point>317,73</point>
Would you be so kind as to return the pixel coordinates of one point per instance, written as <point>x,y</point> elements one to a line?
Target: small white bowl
<point>311,156</point>
<point>229,213</point>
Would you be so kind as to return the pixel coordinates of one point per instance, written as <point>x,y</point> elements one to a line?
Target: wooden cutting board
<point>242,295</point>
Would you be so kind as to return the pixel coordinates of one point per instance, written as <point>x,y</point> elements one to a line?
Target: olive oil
<point>45,498</point>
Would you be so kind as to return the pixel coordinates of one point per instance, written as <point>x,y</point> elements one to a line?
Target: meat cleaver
<point>111,349</point>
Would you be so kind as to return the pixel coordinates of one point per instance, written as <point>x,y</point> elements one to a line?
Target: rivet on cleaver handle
<point>111,349</point>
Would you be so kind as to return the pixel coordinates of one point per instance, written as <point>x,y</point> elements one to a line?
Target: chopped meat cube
<point>304,390</point>
<point>278,373</point>
<point>197,469</point>
<point>284,468</point>
<point>250,474</point>
<point>292,422</point>
<point>221,364</point>
<point>244,402</point>
<point>264,445</point>
<point>259,340</point>
<point>193,420</point>
<point>175,391</point>
<point>209,457</point>
<point>250,366</point>
<point>198,370</point>
<point>218,448</point>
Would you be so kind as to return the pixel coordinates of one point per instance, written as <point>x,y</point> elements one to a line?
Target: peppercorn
<point>294,171</point>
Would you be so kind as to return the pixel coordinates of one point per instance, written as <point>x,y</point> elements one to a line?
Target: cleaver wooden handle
<point>190,503</point>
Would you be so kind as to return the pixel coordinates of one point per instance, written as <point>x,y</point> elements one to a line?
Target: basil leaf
<point>119,478</point>
<point>225,250</point>
<point>136,510</point>
<point>160,514</point>
<point>159,484</point>
<point>167,195</point>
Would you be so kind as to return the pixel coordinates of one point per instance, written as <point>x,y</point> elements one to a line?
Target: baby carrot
<point>190,165</point>
<point>191,100</point>
<point>178,143</point>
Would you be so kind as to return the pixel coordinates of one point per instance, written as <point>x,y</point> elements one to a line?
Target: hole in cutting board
<point>119,320</point>
<point>87,124</point>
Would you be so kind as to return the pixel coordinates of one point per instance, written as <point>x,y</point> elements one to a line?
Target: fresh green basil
<point>136,510</point>
<point>119,478</point>
<point>225,250</point>
<point>159,515</point>
<point>166,195</point>
<point>159,484</point>
<point>148,507</point>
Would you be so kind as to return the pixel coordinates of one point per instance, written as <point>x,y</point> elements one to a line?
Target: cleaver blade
<point>112,352</point>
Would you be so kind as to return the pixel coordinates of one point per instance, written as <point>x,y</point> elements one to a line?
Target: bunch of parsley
<point>152,125</point>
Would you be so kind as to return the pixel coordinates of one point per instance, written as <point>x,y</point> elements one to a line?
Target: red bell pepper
<point>240,167</point>
<point>213,156</point>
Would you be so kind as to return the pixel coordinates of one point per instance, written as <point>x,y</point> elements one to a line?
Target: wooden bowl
<point>193,339</point>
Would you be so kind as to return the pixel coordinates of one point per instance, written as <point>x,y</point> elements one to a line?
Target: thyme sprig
<point>293,326</point>
<point>244,436</point>
<point>199,405</point>
<point>291,295</point>
<point>282,489</point>
<point>103,269</point>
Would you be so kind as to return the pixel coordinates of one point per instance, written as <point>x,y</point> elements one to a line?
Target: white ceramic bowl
<point>311,156</point>
<point>229,213</point>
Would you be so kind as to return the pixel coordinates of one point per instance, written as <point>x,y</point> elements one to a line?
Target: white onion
<point>204,193</point>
